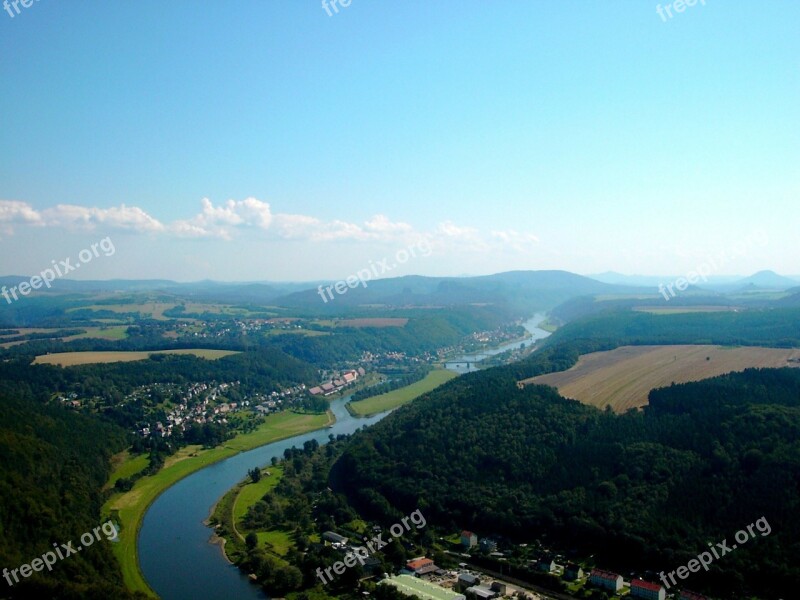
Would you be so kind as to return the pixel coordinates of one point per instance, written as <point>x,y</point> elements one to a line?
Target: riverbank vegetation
<point>128,508</point>
<point>273,528</point>
<point>400,396</point>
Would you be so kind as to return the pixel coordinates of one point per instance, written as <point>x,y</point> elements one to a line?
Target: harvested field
<point>71,359</point>
<point>624,377</point>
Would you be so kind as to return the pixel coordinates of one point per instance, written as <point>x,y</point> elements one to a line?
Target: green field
<point>250,493</point>
<point>231,509</point>
<point>153,310</point>
<point>304,332</point>
<point>677,310</point>
<point>279,426</point>
<point>118,332</point>
<point>548,325</point>
<point>376,404</point>
<point>126,465</point>
<point>128,509</point>
<point>277,541</point>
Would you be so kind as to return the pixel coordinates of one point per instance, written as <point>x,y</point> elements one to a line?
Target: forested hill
<point>775,327</point>
<point>645,490</point>
<point>524,291</point>
<point>54,465</point>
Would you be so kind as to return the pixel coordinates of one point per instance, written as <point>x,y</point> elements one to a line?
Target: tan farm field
<point>624,377</point>
<point>71,359</point>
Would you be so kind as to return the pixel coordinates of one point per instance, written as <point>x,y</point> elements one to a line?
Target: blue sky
<point>266,140</point>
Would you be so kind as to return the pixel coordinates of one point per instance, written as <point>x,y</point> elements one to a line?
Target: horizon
<point>732,278</point>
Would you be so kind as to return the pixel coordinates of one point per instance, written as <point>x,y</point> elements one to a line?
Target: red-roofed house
<point>421,566</point>
<point>315,391</point>
<point>687,595</point>
<point>606,580</point>
<point>649,591</point>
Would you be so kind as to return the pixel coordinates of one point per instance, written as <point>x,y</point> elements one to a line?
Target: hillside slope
<point>642,490</point>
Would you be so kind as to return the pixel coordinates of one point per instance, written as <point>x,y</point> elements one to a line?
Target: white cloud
<point>219,221</point>
<point>128,218</point>
<point>16,212</point>
<point>449,236</point>
<point>185,229</point>
<point>380,224</point>
<point>379,228</point>
<point>295,227</point>
<point>226,220</point>
<point>521,242</point>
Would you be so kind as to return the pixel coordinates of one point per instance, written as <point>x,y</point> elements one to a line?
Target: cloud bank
<point>233,218</point>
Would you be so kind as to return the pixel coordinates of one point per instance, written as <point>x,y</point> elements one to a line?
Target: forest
<point>775,327</point>
<point>645,490</point>
<point>54,464</point>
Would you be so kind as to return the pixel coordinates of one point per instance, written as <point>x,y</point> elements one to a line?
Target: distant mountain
<point>767,280</point>
<point>210,291</point>
<point>654,280</point>
<point>519,292</point>
<point>615,278</point>
<point>76,285</point>
<point>522,290</point>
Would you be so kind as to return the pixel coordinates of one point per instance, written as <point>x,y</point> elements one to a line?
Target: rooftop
<point>645,585</point>
<point>411,586</point>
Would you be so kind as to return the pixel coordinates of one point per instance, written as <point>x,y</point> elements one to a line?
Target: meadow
<point>376,404</point>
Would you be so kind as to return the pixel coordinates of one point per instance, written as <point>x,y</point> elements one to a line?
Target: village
<point>475,579</point>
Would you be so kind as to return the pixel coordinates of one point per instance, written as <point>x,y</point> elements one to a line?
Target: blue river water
<point>466,362</point>
<point>175,555</point>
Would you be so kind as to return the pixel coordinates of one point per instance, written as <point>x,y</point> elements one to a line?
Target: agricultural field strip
<point>71,359</point>
<point>624,377</point>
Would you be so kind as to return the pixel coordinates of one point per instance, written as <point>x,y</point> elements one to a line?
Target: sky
<point>282,140</point>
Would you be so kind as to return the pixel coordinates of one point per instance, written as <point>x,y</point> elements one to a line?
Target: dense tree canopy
<point>54,464</point>
<point>647,489</point>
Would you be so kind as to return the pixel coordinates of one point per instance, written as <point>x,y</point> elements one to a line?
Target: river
<point>466,362</point>
<point>175,555</point>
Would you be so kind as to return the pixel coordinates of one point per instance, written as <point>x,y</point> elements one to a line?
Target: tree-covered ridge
<point>54,464</point>
<point>643,490</point>
<point>776,327</point>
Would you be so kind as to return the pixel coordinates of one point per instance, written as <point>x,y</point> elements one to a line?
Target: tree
<point>255,474</point>
<point>251,541</point>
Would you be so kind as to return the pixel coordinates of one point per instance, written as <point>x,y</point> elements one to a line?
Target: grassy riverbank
<point>229,513</point>
<point>376,404</point>
<point>128,508</point>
